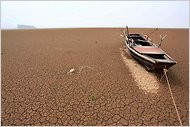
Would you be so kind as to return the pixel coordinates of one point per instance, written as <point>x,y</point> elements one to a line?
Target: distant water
<point>25,27</point>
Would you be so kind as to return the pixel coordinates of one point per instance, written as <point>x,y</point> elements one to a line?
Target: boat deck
<point>148,50</point>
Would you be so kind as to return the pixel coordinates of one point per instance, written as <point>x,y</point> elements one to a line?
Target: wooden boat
<point>146,52</point>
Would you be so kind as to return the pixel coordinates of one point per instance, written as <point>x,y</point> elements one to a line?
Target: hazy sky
<point>56,14</point>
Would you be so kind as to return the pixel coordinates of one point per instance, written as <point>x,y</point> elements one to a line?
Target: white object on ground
<point>72,70</point>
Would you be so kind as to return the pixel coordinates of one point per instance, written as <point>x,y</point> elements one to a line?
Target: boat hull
<point>149,64</point>
<point>146,52</point>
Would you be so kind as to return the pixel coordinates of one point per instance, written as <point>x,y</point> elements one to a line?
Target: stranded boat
<point>146,52</point>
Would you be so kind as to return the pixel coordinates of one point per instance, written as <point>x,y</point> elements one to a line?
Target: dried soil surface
<point>85,77</point>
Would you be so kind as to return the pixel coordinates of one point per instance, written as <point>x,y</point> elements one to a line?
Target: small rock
<point>72,70</point>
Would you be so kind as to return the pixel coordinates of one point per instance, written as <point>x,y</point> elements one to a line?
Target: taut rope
<point>165,74</point>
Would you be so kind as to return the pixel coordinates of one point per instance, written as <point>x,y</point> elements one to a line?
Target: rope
<point>165,73</point>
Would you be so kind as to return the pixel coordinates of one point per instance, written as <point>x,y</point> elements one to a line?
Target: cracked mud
<point>102,90</point>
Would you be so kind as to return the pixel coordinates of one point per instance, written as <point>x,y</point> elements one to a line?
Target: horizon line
<point>36,28</point>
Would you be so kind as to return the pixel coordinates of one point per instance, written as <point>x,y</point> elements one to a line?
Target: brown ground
<point>37,88</point>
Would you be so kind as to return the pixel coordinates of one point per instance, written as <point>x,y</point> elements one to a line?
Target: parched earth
<point>37,87</point>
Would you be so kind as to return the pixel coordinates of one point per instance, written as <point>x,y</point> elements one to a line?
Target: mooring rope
<point>165,73</point>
